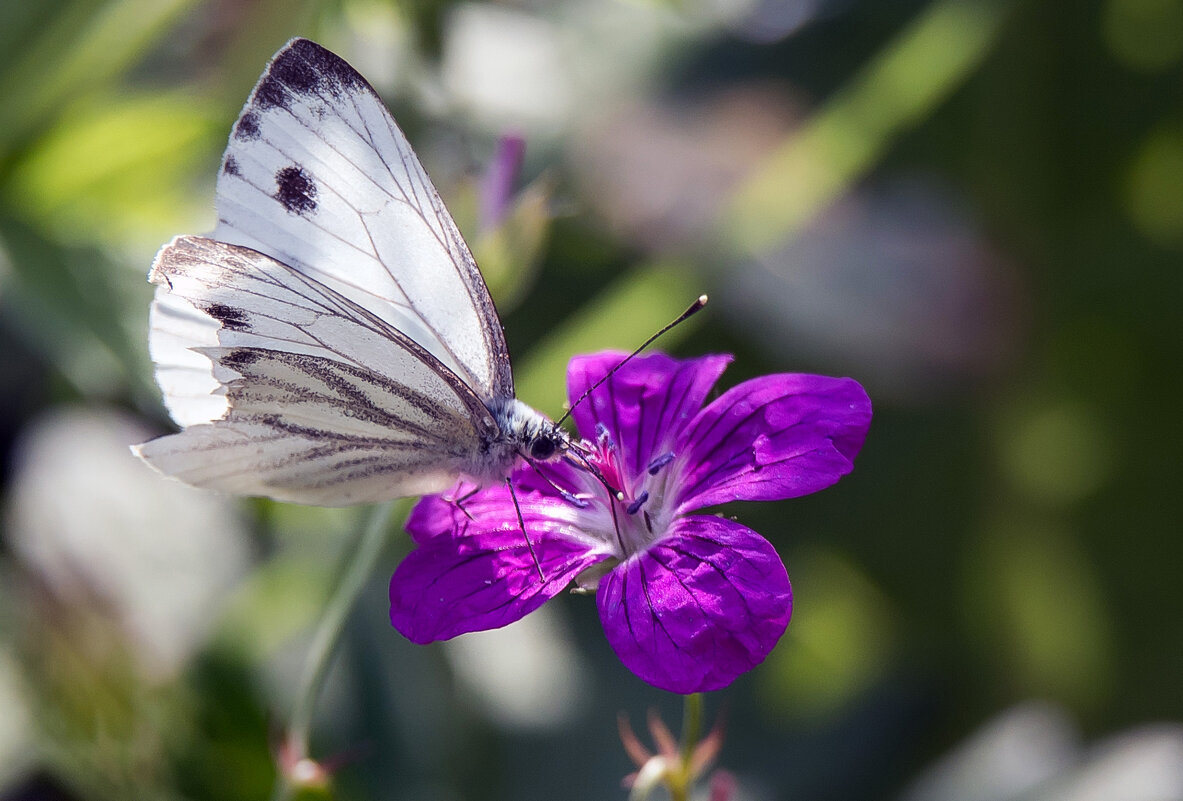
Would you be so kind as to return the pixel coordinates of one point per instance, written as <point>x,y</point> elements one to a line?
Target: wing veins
<point>442,231</point>
<point>347,396</point>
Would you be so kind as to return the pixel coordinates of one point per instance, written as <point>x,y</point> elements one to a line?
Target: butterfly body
<point>332,342</point>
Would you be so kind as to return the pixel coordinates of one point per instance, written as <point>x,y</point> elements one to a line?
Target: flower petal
<point>774,437</point>
<point>447,512</point>
<point>645,403</point>
<point>699,608</point>
<point>480,574</point>
<point>436,515</point>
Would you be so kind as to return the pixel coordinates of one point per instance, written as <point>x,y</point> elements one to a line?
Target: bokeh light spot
<point>1154,187</point>
<point>1057,452</point>
<point>1037,605</point>
<point>1144,35</point>
<point>840,641</point>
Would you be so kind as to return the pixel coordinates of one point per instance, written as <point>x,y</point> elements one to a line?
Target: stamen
<point>660,462</point>
<point>584,464</point>
<point>578,503</point>
<point>636,505</point>
<point>604,437</point>
<point>616,524</point>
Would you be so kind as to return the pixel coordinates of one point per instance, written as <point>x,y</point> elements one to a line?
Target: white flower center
<point>634,522</point>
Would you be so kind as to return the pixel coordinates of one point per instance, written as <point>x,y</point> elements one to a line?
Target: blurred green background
<point>974,208</point>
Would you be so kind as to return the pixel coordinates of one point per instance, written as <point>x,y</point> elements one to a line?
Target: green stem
<point>360,558</point>
<point>681,784</point>
<point>691,726</point>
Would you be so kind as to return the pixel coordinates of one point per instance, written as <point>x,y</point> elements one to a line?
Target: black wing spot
<point>296,190</point>
<point>229,316</point>
<point>247,128</point>
<point>240,359</point>
<point>230,166</point>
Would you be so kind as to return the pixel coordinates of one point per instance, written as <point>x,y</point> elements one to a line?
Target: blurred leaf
<point>1040,614</point>
<point>840,641</point>
<point>853,131</point>
<point>1056,452</point>
<point>85,45</point>
<point>623,316</point>
<point>1145,35</point>
<point>223,754</point>
<point>103,728</point>
<point>509,254</point>
<point>118,166</point>
<point>83,313</point>
<point>1154,186</point>
<point>282,598</point>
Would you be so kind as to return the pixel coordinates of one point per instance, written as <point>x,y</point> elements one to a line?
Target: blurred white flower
<point>507,67</point>
<point>526,675</point>
<point>1143,764</point>
<point>896,283</point>
<point>91,521</point>
<point>659,172</point>
<point>1033,753</point>
<point>1007,757</point>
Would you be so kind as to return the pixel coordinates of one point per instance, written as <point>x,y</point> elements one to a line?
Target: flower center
<point>638,514</point>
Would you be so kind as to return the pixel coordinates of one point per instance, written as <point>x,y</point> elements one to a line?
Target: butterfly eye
<point>543,447</point>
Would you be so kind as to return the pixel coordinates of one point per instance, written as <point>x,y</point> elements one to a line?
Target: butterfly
<point>332,341</point>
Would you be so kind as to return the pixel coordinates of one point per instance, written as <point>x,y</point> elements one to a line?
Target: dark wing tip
<point>301,68</point>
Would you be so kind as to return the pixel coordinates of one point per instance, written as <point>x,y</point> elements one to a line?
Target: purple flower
<point>497,186</point>
<point>688,601</point>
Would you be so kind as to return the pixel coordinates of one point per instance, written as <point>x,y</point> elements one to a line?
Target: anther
<point>660,462</point>
<point>604,437</point>
<point>636,505</point>
<point>578,503</point>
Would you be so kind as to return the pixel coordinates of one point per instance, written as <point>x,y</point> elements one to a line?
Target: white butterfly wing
<point>318,176</point>
<point>177,331</point>
<point>318,400</point>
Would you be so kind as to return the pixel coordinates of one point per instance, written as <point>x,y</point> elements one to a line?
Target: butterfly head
<point>531,435</point>
<point>549,442</point>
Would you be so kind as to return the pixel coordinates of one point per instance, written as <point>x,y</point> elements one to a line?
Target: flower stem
<point>691,726</point>
<point>361,556</point>
<point>680,784</point>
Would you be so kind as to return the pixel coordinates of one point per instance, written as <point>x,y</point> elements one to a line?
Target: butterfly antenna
<point>692,310</point>
<point>522,523</point>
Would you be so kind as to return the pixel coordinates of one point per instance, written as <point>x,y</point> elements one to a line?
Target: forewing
<point>318,176</point>
<point>317,400</point>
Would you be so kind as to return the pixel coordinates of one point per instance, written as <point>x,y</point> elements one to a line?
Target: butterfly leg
<point>459,502</point>
<point>522,523</point>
